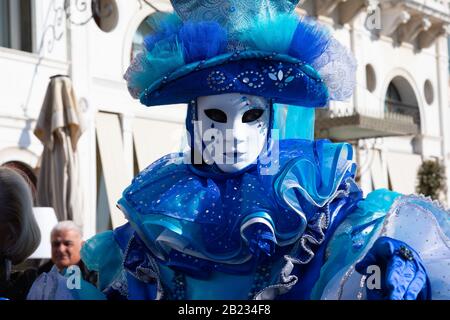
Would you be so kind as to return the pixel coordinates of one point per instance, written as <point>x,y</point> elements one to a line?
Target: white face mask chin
<point>234,129</point>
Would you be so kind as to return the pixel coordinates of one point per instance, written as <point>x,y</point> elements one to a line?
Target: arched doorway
<point>400,156</point>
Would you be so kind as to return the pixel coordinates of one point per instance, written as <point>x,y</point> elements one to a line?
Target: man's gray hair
<point>67,225</point>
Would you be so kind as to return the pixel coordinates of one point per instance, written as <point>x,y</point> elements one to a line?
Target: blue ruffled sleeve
<point>415,221</point>
<point>354,235</point>
<point>103,255</point>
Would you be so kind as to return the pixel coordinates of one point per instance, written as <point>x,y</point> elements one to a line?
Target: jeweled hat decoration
<point>262,48</point>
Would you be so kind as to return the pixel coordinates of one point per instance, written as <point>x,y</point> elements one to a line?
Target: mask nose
<point>235,136</point>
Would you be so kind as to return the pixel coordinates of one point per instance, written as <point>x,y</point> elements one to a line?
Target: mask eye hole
<point>252,115</point>
<point>216,115</point>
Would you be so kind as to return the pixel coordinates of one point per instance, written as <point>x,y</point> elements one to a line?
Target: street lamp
<point>100,11</point>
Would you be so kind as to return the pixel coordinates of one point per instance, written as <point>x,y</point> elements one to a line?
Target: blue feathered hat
<point>255,47</point>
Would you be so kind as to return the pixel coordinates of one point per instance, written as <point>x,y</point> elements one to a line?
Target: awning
<point>154,139</point>
<point>402,170</point>
<point>378,171</point>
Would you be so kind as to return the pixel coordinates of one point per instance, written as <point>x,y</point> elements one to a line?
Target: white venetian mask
<point>234,129</point>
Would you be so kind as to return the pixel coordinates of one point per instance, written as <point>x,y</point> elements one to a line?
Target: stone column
<point>444,103</point>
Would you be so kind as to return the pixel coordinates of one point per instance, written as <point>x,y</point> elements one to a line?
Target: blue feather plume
<point>165,27</point>
<point>175,44</point>
<point>272,34</point>
<point>166,57</point>
<point>309,41</point>
<point>202,40</point>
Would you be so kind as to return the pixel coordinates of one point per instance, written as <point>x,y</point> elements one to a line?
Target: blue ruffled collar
<point>199,223</point>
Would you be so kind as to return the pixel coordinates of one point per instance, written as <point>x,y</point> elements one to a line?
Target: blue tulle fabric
<point>198,222</point>
<point>203,40</point>
<point>318,40</point>
<point>166,27</point>
<point>441,214</point>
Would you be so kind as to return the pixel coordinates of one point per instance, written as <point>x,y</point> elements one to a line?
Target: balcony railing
<point>347,124</point>
<point>395,109</point>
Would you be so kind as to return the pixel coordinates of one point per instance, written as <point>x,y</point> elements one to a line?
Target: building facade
<point>399,115</point>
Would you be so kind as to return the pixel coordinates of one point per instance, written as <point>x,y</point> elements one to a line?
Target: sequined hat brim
<point>274,76</point>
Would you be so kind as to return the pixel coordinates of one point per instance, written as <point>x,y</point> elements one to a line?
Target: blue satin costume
<point>218,230</point>
<point>196,233</point>
<point>220,233</point>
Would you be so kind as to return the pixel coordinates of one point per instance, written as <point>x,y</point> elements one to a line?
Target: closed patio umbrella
<point>59,128</point>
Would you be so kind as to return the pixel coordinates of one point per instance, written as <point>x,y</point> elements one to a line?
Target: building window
<point>371,78</point>
<point>16,24</point>
<point>428,92</point>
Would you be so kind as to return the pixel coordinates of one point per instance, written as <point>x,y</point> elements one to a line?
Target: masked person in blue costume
<point>256,209</point>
